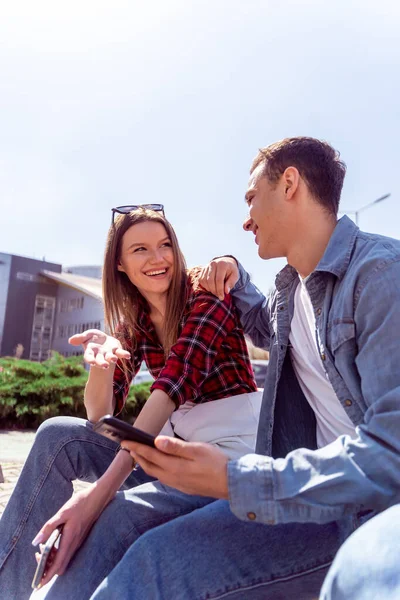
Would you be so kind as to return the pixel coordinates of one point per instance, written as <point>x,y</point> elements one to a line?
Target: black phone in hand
<point>118,431</point>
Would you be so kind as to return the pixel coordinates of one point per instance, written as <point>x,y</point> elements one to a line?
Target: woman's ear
<point>120,267</point>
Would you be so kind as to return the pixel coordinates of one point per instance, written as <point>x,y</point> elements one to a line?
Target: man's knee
<point>367,560</point>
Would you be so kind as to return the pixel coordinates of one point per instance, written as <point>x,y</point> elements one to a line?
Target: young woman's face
<point>147,257</point>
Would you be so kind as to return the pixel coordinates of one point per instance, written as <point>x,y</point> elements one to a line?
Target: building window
<point>75,303</point>
<point>42,329</point>
<point>73,353</point>
<point>26,276</point>
<point>71,304</point>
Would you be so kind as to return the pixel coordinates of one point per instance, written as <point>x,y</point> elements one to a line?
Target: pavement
<point>15,445</point>
<point>14,449</point>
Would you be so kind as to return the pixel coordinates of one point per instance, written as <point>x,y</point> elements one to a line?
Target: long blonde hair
<point>121,297</point>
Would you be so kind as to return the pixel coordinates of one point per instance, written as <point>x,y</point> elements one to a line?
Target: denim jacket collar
<point>338,252</point>
<point>285,277</point>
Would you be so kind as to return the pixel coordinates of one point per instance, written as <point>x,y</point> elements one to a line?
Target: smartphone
<point>118,430</point>
<point>49,545</point>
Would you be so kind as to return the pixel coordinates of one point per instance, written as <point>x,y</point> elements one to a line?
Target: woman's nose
<point>156,256</point>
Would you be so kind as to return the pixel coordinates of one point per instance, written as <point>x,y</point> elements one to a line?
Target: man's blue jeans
<point>367,566</point>
<point>210,554</point>
<point>154,541</point>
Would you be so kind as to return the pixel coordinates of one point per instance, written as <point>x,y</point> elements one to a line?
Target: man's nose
<point>248,223</point>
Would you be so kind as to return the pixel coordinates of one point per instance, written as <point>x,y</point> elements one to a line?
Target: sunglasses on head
<point>125,210</point>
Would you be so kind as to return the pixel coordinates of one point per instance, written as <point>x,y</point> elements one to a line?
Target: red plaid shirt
<point>208,361</point>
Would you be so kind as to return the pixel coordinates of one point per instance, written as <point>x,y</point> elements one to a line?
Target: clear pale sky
<point>110,103</point>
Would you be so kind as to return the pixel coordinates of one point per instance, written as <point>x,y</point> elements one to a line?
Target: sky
<point>111,103</point>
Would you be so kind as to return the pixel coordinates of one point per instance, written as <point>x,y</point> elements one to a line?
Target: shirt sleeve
<point>253,309</point>
<point>125,371</point>
<point>193,355</point>
<point>347,475</point>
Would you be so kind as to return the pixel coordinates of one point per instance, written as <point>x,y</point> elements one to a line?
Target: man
<point>328,448</point>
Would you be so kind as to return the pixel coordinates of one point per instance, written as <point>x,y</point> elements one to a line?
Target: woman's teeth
<point>152,273</point>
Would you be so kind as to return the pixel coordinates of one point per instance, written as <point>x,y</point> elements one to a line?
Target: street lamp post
<point>357,212</point>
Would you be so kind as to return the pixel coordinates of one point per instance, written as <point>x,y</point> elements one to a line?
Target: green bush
<point>31,392</point>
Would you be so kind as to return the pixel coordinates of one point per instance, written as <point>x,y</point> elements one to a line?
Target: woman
<point>194,346</point>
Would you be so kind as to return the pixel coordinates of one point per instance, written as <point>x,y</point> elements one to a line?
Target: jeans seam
<point>268,582</point>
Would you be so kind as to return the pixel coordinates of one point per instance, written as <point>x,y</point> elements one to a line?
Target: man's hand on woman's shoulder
<point>219,276</point>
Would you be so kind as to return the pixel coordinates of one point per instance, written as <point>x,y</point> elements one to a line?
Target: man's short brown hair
<point>317,162</point>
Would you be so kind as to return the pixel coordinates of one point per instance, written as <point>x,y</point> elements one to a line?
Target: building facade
<point>78,308</point>
<point>41,307</point>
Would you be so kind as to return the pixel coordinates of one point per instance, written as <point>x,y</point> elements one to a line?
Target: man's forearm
<point>99,396</point>
<point>316,485</point>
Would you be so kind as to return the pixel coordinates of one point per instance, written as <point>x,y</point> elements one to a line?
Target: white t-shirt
<point>331,417</point>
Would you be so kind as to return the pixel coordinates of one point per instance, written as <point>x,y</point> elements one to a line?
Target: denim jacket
<point>355,293</point>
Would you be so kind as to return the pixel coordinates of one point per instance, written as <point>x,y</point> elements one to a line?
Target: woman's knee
<point>57,429</point>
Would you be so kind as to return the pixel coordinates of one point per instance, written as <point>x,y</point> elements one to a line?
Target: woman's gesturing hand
<point>100,349</point>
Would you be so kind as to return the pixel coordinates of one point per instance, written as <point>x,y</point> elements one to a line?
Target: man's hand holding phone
<point>192,467</point>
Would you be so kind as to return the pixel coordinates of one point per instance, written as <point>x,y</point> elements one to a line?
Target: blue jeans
<point>367,566</point>
<point>66,449</point>
<point>207,553</point>
<point>210,554</point>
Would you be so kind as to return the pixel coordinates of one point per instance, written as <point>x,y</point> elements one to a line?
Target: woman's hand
<point>219,276</point>
<point>77,517</point>
<point>100,349</point>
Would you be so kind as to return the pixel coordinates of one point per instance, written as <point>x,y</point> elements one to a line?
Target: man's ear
<point>290,179</point>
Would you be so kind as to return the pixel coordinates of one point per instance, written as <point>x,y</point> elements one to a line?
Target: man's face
<point>266,217</point>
